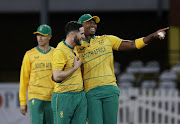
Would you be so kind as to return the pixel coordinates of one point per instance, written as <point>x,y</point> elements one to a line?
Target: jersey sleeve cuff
<point>23,103</point>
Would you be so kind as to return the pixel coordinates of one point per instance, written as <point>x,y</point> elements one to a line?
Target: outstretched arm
<point>139,43</point>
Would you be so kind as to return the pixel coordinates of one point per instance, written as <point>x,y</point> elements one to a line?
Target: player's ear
<point>73,35</point>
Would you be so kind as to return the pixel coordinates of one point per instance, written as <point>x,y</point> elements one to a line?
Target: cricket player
<point>69,102</point>
<point>96,53</point>
<point>36,73</point>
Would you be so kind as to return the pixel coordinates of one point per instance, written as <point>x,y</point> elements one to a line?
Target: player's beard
<point>77,41</point>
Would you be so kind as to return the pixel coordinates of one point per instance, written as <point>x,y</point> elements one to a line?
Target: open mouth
<point>92,29</point>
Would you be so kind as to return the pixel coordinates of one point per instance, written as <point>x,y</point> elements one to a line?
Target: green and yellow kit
<point>99,78</point>
<point>36,72</point>
<point>69,102</point>
<point>63,59</point>
<point>98,61</point>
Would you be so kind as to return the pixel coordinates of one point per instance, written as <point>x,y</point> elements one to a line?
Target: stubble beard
<point>77,41</point>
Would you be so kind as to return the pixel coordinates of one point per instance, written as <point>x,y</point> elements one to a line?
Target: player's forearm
<point>24,82</point>
<point>149,38</point>
<point>59,76</point>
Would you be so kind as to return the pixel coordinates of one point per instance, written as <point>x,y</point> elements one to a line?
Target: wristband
<point>140,43</point>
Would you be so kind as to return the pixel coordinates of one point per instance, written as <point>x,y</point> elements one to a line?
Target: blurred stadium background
<point>157,66</point>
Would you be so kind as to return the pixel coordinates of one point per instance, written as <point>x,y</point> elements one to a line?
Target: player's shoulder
<point>104,36</point>
<point>52,48</point>
<point>111,37</point>
<point>61,48</point>
<point>97,37</point>
<point>60,45</point>
<point>33,50</point>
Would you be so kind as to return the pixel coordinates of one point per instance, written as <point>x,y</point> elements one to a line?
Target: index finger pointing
<point>165,29</point>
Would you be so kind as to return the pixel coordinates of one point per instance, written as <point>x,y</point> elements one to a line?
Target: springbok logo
<point>101,42</point>
<point>41,28</point>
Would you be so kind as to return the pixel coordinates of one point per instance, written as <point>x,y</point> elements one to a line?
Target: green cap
<point>43,30</point>
<point>87,17</point>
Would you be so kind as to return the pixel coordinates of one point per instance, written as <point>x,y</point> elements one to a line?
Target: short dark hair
<point>72,26</point>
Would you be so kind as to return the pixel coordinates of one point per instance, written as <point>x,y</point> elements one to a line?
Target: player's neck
<point>70,43</point>
<point>44,48</point>
<point>89,36</point>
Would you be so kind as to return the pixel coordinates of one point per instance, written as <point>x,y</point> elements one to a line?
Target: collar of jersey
<point>42,50</point>
<point>67,44</point>
<point>88,40</point>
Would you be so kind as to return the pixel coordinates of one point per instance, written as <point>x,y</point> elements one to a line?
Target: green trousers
<point>40,112</point>
<point>103,105</point>
<point>69,107</point>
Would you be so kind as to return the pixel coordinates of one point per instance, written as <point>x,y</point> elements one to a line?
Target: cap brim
<point>40,33</point>
<point>96,18</point>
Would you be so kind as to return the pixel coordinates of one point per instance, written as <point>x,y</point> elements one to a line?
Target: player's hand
<point>161,33</point>
<point>77,62</point>
<point>23,109</point>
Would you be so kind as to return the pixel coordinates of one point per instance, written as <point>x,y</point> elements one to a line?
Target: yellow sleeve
<point>59,60</point>
<point>115,41</point>
<point>24,79</point>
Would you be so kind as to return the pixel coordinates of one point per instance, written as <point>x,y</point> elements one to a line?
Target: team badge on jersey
<point>61,114</point>
<point>101,42</point>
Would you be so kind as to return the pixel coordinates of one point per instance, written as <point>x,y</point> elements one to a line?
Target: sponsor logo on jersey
<point>36,57</point>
